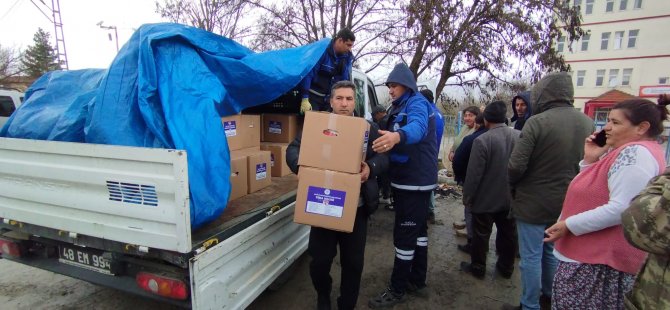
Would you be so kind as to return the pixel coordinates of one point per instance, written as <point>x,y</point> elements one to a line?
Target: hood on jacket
<point>525,96</point>
<point>403,76</point>
<point>552,91</point>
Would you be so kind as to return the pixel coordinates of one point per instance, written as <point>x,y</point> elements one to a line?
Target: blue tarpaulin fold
<point>167,88</point>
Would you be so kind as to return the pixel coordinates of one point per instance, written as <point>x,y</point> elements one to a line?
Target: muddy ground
<point>23,287</point>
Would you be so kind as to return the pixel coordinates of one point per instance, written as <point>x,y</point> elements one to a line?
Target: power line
<point>45,15</point>
<point>10,9</point>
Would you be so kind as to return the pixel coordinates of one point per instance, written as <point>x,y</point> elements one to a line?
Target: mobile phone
<point>600,139</point>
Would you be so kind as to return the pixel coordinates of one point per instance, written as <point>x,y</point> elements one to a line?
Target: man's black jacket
<point>378,164</point>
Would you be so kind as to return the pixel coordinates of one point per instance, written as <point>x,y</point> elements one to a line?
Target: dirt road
<point>23,287</point>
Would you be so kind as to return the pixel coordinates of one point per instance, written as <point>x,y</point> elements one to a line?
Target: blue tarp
<point>167,88</point>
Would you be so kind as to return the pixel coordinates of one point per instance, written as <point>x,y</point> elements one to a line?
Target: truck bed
<point>61,191</point>
<point>244,211</point>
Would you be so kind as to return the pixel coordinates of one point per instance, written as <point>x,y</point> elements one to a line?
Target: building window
<point>560,44</point>
<point>580,77</point>
<point>625,77</point>
<point>585,42</point>
<point>600,76</point>
<point>623,4</point>
<point>637,5</point>
<point>618,40</point>
<point>589,7</point>
<point>632,37</point>
<point>605,40</point>
<point>609,7</point>
<point>663,80</point>
<point>612,80</point>
<point>578,4</point>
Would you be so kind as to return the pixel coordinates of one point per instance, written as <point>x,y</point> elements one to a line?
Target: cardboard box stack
<point>248,164</point>
<point>332,149</point>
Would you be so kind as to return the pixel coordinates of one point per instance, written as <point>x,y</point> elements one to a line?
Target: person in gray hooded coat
<point>543,162</point>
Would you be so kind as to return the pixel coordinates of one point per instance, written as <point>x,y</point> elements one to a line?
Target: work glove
<point>305,106</point>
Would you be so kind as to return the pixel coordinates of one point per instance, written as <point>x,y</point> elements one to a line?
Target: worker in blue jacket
<point>334,66</point>
<point>412,146</point>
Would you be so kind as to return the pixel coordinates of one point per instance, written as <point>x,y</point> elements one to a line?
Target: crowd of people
<point>574,209</point>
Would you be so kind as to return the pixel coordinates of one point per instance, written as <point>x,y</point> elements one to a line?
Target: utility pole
<point>58,32</point>
<point>116,34</point>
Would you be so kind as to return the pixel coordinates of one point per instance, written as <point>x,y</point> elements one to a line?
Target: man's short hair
<point>346,35</point>
<point>343,84</point>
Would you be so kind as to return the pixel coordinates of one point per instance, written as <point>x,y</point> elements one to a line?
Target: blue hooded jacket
<point>519,122</point>
<point>414,159</point>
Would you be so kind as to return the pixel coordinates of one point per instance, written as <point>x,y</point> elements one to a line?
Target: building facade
<point>627,48</point>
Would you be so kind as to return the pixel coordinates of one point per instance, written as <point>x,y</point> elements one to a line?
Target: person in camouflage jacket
<point>646,224</point>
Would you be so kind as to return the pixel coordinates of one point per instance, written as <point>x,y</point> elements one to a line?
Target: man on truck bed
<point>323,242</point>
<point>334,65</point>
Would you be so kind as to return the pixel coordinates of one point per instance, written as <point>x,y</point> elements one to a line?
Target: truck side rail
<point>138,196</point>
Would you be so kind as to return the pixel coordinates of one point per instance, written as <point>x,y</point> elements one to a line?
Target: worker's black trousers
<point>410,238</point>
<point>323,248</point>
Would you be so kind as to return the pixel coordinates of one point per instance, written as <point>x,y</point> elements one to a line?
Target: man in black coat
<point>323,242</point>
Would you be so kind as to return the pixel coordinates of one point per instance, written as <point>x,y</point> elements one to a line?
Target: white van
<point>10,100</point>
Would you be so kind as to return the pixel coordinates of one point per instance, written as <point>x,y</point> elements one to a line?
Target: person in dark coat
<point>323,242</point>
<point>412,144</point>
<point>522,110</point>
<point>488,196</point>
<point>460,166</point>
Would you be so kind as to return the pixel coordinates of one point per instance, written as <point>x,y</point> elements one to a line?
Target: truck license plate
<point>85,258</point>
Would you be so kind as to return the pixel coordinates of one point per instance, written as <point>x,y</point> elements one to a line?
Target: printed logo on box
<point>323,201</point>
<point>230,128</point>
<point>261,171</point>
<point>272,160</point>
<point>275,127</point>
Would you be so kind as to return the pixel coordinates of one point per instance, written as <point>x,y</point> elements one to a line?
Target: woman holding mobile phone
<point>597,266</point>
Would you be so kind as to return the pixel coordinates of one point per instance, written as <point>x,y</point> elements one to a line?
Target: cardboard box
<point>280,128</point>
<point>242,131</point>
<point>278,158</point>
<point>327,198</point>
<point>239,174</point>
<point>258,167</point>
<point>334,142</point>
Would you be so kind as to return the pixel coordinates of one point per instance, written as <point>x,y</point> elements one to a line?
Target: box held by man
<point>327,198</point>
<point>334,142</point>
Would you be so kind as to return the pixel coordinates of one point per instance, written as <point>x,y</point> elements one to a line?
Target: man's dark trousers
<point>323,248</point>
<point>482,225</point>
<point>410,238</point>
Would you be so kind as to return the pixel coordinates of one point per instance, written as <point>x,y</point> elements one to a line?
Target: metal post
<point>116,34</point>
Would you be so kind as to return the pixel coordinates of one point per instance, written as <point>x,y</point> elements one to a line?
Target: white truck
<point>119,217</point>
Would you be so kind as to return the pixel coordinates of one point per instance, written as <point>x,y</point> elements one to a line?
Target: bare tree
<point>287,24</point>
<point>10,63</point>
<point>224,17</point>
<point>486,42</point>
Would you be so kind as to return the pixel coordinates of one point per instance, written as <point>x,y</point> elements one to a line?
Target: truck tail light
<point>9,248</point>
<point>163,286</point>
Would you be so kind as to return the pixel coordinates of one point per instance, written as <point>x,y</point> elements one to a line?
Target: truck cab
<point>10,100</point>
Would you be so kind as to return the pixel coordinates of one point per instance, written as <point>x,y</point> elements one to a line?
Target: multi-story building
<point>627,48</point>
